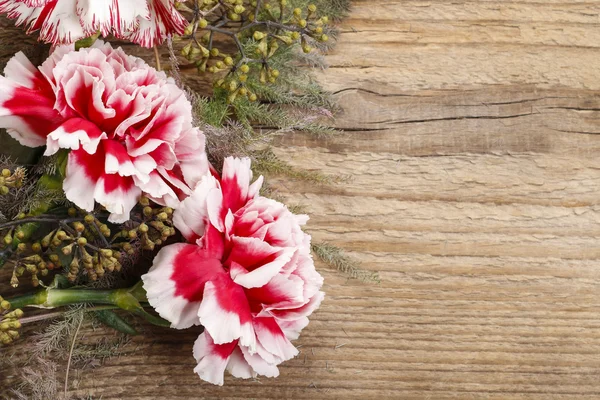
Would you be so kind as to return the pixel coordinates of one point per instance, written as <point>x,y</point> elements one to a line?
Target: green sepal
<point>86,42</point>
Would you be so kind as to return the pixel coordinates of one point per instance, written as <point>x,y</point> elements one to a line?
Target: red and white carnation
<point>145,22</point>
<point>128,127</point>
<point>247,276</point>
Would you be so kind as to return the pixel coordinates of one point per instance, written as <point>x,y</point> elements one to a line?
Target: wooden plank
<point>472,153</point>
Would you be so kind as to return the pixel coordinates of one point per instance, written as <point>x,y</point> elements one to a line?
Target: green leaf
<point>154,320</point>
<point>86,42</point>
<point>111,319</point>
<point>60,282</point>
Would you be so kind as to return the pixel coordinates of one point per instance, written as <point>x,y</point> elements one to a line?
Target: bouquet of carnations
<point>135,165</point>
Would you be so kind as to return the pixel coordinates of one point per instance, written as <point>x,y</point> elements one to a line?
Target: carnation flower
<point>129,127</point>
<point>247,276</point>
<point>145,22</point>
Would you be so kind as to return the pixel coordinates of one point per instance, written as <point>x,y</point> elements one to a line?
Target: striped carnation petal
<point>145,22</point>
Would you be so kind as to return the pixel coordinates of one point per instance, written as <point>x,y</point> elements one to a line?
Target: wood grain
<point>472,149</point>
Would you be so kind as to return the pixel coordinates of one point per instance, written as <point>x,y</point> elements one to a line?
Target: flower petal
<point>251,252</point>
<point>280,292</point>
<point>59,22</point>
<point>235,183</point>
<point>163,21</point>
<point>192,157</point>
<point>238,366</point>
<point>260,364</point>
<point>95,15</point>
<point>262,275</point>
<point>27,103</point>
<point>225,313</point>
<point>118,160</point>
<point>272,338</point>
<point>300,312</point>
<point>191,216</point>
<point>177,280</point>
<point>86,181</point>
<point>212,358</point>
<point>73,133</point>
<point>293,328</point>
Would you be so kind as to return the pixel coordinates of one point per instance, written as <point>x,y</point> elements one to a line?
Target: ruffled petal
<point>238,366</point>
<point>235,183</point>
<point>118,160</point>
<point>225,313</point>
<point>95,15</point>
<point>109,15</point>
<point>280,292</point>
<point>27,103</point>
<point>86,180</point>
<point>58,22</point>
<point>251,252</point>
<point>259,364</point>
<point>272,338</point>
<point>177,280</point>
<point>212,358</point>
<point>191,216</point>
<point>164,20</point>
<point>192,157</point>
<point>292,328</point>
<point>72,134</point>
<point>259,276</point>
<point>300,312</point>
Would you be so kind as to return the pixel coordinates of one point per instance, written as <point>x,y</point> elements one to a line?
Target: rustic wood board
<point>473,154</point>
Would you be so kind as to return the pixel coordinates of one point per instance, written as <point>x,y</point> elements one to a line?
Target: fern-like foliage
<point>335,257</point>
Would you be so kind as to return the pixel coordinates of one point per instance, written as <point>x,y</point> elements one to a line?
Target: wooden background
<point>473,148</point>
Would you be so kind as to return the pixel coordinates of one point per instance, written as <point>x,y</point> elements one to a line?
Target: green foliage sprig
<point>270,24</point>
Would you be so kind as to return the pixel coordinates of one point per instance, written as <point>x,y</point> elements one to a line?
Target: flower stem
<point>43,317</point>
<point>126,299</point>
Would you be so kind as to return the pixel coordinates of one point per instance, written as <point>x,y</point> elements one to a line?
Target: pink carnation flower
<point>248,277</point>
<point>129,127</point>
<point>146,22</point>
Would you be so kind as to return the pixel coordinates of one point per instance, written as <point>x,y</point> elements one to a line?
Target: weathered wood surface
<point>473,150</point>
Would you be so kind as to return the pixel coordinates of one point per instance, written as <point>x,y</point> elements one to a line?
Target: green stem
<point>42,317</point>
<point>125,299</point>
<point>52,298</point>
